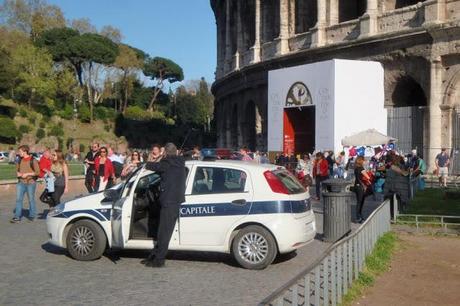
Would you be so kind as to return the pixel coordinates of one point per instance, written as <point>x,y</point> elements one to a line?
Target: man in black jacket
<point>172,193</point>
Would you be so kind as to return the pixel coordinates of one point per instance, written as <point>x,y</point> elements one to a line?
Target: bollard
<point>337,199</point>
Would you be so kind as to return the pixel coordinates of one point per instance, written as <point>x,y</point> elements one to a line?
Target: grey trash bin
<point>337,199</point>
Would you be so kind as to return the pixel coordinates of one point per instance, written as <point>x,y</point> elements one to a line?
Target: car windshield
<point>289,181</point>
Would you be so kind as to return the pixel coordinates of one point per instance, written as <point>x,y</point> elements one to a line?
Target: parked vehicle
<point>3,157</point>
<point>250,210</point>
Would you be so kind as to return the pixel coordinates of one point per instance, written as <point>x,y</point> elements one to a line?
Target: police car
<point>250,210</point>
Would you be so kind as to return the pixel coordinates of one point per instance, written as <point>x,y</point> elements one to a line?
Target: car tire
<point>254,247</point>
<point>86,240</point>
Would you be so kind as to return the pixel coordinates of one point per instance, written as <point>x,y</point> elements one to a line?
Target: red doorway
<point>299,129</point>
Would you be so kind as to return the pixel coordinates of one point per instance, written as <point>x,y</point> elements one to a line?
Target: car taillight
<point>275,183</point>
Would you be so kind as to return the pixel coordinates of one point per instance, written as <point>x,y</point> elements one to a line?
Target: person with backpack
<point>27,170</point>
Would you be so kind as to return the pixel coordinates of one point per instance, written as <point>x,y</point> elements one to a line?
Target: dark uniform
<point>172,194</point>
<point>90,177</point>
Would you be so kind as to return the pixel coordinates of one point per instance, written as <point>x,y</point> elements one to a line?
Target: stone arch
<point>248,22</point>
<point>306,15</point>
<point>351,9</point>
<point>270,20</point>
<point>406,117</point>
<point>249,125</point>
<point>450,115</point>
<point>234,127</point>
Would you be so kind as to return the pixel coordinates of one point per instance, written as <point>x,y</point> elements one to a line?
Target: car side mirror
<point>111,194</point>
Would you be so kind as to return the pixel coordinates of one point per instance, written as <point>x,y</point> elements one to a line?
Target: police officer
<point>172,193</point>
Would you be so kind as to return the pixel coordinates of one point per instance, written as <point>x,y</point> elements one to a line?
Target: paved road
<point>33,272</point>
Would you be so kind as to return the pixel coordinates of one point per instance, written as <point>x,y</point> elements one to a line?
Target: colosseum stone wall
<point>417,42</point>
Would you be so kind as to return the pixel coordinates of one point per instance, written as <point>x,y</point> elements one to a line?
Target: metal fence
<point>444,222</point>
<point>327,280</point>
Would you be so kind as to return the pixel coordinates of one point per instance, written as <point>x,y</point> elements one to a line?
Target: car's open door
<point>122,210</point>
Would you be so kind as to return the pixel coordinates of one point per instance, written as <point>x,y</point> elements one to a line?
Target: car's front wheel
<point>254,247</point>
<point>86,240</point>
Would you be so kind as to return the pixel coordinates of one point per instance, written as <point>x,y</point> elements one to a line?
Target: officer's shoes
<point>149,258</point>
<point>155,264</point>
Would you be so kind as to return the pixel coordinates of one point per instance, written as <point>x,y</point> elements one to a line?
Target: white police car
<point>249,210</point>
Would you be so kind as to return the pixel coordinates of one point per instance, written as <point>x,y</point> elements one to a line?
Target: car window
<point>210,180</point>
<point>289,181</point>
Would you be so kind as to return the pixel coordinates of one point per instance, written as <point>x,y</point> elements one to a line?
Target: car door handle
<point>239,202</point>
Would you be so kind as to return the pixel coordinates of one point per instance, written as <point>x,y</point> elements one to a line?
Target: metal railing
<point>429,220</point>
<point>327,280</point>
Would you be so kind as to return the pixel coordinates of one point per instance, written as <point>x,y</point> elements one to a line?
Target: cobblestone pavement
<point>32,272</point>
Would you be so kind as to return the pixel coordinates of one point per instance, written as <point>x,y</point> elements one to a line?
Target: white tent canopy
<point>370,137</point>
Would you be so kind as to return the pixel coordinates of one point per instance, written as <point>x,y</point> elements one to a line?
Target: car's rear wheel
<point>254,247</point>
<point>86,240</point>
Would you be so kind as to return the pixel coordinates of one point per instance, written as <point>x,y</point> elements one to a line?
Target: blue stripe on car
<point>67,214</point>
<point>250,208</point>
<point>214,209</point>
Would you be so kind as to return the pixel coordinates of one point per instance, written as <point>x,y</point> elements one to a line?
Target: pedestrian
<point>11,156</point>
<point>172,193</point>
<point>131,164</point>
<point>27,170</point>
<point>155,155</point>
<point>320,172</point>
<point>60,171</point>
<point>442,166</point>
<point>90,169</point>
<point>264,158</point>
<point>45,162</point>
<point>362,188</point>
<point>303,170</point>
<point>196,153</point>
<point>117,163</point>
<point>341,163</point>
<point>244,154</point>
<point>329,156</point>
<point>104,171</point>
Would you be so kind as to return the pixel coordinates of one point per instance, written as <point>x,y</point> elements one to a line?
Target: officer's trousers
<point>168,217</point>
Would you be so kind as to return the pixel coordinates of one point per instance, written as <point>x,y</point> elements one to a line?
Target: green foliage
<point>107,128</point>
<point>23,112</point>
<point>8,128</point>
<point>157,115</point>
<point>60,143</point>
<point>24,129</point>
<point>100,112</point>
<point>57,42</point>
<point>137,113</point>
<point>376,263</point>
<point>32,118</point>
<point>84,113</point>
<point>56,130</point>
<point>163,69</point>
<point>7,72</point>
<point>82,147</point>
<point>190,110</point>
<point>8,110</point>
<point>42,124</point>
<point>93,47</point>
<point>35,72</point>
<point>40,134</point>
<point>67,112</point>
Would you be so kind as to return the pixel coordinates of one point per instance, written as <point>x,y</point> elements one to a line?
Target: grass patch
<point>432,201</point>
<point>8,172</point>
<point>376,263</point>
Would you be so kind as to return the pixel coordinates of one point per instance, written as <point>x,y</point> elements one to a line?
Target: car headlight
<point>56,210</point>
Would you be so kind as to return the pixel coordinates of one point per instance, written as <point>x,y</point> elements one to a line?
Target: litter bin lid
<point>336,184</point>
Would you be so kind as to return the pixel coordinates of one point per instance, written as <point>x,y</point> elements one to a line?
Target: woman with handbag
<point>362,188</point>
<point>105,173</point>
<point>60,171</point>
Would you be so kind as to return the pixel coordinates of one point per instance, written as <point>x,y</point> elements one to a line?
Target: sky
<point>181,30</point>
